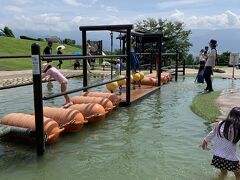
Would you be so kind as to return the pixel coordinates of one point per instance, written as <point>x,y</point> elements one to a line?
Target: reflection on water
<point>50,86</point>
<point>155,138</point>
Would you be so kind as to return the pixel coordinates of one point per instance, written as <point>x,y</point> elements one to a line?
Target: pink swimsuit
<point>57,75</point>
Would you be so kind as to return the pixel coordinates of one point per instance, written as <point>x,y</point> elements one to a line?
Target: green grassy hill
<point>14,46</point>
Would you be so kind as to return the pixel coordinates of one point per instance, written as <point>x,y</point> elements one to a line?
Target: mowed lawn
<point>15,46</point>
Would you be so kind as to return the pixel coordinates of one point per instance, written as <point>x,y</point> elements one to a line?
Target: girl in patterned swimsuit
<point>52,72</point>
<point>225,137</point>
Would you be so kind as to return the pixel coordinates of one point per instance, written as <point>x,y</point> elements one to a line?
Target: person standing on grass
<point>48,50</point>
<point>225,137</point>
<point>59,52</point>
<point>210,63</point>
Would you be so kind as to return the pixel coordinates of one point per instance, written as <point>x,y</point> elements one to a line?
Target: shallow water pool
<point>156,138</point>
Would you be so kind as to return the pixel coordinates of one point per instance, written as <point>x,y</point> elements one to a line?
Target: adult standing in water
<point>202,60</point>
<point>210,64</point>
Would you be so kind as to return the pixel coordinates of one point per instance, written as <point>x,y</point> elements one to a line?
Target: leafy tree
<point>224,58</point>
<point>2,33</point>
<point>7,31</point>
<point>189,59</point>
<point>69,41</point>
<point>117,51</point>
<point>176,38</point>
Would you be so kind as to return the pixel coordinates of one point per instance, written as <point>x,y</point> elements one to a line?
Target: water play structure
<point>90,107</point>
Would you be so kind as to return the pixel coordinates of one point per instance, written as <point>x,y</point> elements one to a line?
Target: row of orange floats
<point>90,107</point>
<point>151,79</point>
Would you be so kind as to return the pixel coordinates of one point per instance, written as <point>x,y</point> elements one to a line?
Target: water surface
<point>156,138</point>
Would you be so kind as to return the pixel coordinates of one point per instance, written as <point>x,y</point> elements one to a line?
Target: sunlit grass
<point>204,106</point>
<point>14,46</point>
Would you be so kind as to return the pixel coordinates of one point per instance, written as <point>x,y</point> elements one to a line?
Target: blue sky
<point>68,15</point>
<point>65,16</point>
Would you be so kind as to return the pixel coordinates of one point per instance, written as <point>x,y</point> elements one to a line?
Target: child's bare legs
<point>223,174</point>
<point>237,174</point>
<point>63,89</point>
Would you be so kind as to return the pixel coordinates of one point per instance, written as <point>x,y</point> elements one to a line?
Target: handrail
<point>17,56</point>
<point>80,89</point>
<point>71,57</point>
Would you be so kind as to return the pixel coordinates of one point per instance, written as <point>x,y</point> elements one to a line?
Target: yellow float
<point>141,75</point>
<point>121,82</point>
<point>112,86</point>
<point>136,77</point>
<point>131,79</point>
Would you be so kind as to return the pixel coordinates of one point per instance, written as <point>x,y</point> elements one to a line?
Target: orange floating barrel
<point>149,81</point>
<point>115,99</point>
<point>92,112</point>
<point>71,120</point>
<point>105,102</point>
<point>51,127</point>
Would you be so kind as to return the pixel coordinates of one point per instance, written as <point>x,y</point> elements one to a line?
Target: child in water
<point>225,137</point>
<point>52,72</point>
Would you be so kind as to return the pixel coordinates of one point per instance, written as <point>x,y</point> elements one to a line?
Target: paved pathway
<point>228,99</point>
<point>12,78</point>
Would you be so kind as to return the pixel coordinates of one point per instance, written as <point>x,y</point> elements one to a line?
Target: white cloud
<point>178,16</point>
<point>43,22</point>
<point>228,19</point>
<point>233,19</point>
<point>94,20</point>
<point>94,1</point>
<point>177,3</point>
<point>22,2</point>
<point>84,20</point>
<point>13,9</point>
<point>73,2</point>
<point>2,26</point>
<point>109,8</point>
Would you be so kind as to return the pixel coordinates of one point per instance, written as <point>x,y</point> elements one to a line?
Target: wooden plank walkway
<point>137,93</point>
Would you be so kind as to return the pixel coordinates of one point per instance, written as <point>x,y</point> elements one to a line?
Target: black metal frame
<point>127,28</point>
<point>37,79</point>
